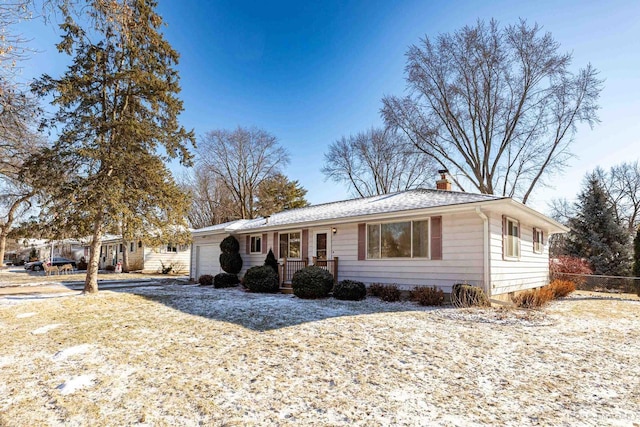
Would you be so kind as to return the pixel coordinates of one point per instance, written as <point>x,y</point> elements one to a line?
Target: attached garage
<point>207,259</point>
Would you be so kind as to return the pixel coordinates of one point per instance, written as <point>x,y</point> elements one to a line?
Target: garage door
<point>207,260</point>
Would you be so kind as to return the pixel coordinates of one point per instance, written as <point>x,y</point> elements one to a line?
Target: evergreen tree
<point>277,193</point>
<point>118,107</point>
<point>636,255</point>
<point>596,234</point>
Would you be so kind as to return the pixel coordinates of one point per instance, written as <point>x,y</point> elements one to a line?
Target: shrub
<point>110,268</point>
<point>205,280</point>
<point>261,278</point>
<point>564,267</point>
<point>463,295</point>
<point>424,295</point>
<point>231,262</point>
<point>350,290</point>
<point>533,298</point>
<point>312,282</point>
<point>225,280</point>
<point>375,289</point>
<point>230,245</point>
<point>390,293</point>
<point>272,262</point>
<point>562,288</point>
<point>230,259</point>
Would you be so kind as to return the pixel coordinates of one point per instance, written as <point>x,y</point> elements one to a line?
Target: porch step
<point>286,289</point>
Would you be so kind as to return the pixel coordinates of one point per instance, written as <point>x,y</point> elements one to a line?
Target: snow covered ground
<point>185,355</point>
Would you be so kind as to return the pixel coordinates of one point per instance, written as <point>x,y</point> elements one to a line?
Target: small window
<point>172,247</point>
<point>290,245</point>
<point>538,241</point>
<point>139,243</point>
<point>511,238</point>
<point>132,247</point>
<point>256,244</point>
<point>120,248</point>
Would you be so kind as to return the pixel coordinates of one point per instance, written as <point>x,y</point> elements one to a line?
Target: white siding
<point>530,271</point>
<point>154,258</point>
<point>205,254</point>
<point>461,262</point>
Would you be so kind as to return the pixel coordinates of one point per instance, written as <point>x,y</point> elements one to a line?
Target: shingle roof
<point>386,203</point>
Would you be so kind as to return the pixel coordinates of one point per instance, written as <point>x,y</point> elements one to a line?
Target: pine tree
<point>596,234</point>
<point>118,107</point>
<point>636,255</point>
<point>277,193</point>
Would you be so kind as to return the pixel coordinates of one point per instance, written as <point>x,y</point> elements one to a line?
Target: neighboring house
<point>68,248</point>
<point>409,238</point>
<point>142,257</point>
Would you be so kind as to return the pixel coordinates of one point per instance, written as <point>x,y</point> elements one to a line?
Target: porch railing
<point>288,267</point>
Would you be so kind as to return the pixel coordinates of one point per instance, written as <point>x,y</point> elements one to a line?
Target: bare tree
<point>497,107</point>
<point>211,202</point>
<point>377,161</point>
<point>241,160</point>
<point>622,185</point>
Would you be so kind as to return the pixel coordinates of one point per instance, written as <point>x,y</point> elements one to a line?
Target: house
<point>416,237</point>
<point>141,256</point>
<point>41,249</point>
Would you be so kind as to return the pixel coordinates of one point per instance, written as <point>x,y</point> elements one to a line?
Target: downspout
<point>485,257</point>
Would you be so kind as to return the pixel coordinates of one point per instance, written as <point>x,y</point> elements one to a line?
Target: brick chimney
<point>443,183</point>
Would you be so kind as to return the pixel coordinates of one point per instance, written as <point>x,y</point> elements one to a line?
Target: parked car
<point>37,265</point>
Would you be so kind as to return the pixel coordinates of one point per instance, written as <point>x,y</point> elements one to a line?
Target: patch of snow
<point>46,328</point>
<point>6,360</point>
<point>75,383</point>
<point>25,315</point>
<point>71,351</point>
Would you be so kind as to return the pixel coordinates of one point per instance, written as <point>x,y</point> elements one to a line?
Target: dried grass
<point>188,355</point>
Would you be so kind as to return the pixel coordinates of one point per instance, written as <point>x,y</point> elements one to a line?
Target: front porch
<point>288,268</point>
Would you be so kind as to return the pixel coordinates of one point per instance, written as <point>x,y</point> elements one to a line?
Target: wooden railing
<point>331,265</point>
<point>290,266</point>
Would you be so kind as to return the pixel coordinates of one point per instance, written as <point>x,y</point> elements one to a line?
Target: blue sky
<point>311,72</point>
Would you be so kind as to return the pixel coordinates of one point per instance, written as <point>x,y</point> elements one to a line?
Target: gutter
<point>486,266</point>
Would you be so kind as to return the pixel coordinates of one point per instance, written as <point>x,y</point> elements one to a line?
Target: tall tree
<point>118,107</point>
<point>497,107</point>
<point>211,202</point>
<point>277,193</point>
<point>622,184</point>
<point>18,117</point>
<point>378,161</point>
<point>596,234</point>
<point>636,255</point>
<point>241,160</point>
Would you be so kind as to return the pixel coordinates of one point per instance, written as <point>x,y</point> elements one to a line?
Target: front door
<point>322,243</point>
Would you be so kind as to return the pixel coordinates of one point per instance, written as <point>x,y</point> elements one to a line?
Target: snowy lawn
<point>184,355</point>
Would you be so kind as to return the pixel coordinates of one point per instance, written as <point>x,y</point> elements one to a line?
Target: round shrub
<point>350,290</point>
<point>424,295</point>
<point>230,245</point>
<point>261,278</point>
<point>231,262</point>
<point>205,280</point>
<point>225,280</point>
<point>312,282</point>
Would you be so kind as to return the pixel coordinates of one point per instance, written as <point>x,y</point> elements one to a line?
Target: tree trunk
<point>3,244</point>
<point>125,257</point>
<point>91,281</point>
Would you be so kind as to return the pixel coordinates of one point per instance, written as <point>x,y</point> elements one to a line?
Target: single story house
<point>418,237</point>
<point>142,257</point>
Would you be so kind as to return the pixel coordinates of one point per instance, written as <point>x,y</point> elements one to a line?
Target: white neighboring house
<point>417,237</point>
<point>142,257</point>
<point>71,248</point>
